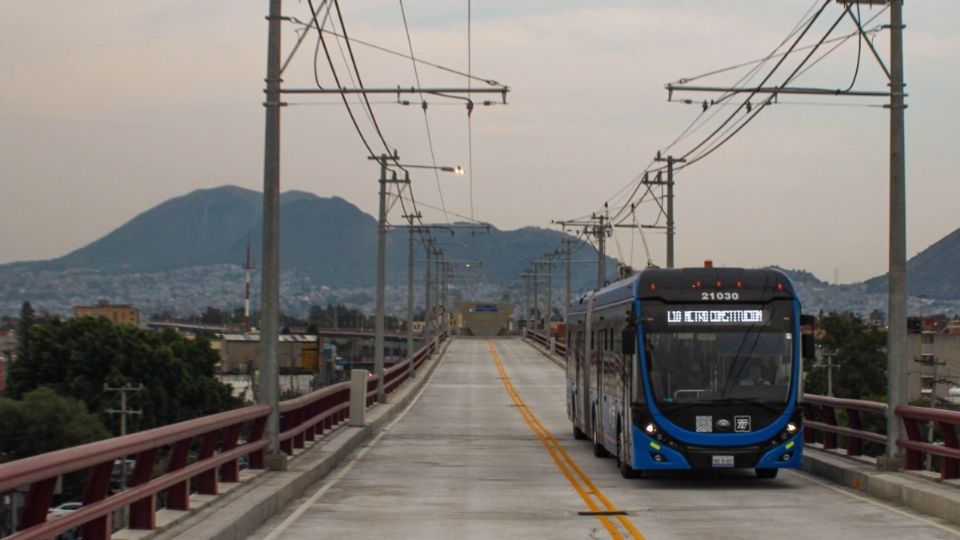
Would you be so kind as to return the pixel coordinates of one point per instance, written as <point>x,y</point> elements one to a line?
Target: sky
<point>110,108</point>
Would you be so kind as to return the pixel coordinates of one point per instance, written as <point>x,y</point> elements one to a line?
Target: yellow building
<point>240,353</point>
<point>116,313</point>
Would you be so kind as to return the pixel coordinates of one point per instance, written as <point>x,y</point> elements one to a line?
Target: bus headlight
<point>791,428</point>
<point>651,429</point>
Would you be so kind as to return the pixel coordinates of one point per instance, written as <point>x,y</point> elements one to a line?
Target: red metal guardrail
<point>916,445</point>
<point>559,347</point>
<point>201,451</point>
<point>820,417</point>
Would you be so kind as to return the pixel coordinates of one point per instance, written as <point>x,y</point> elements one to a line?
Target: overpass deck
<point>486,451</point>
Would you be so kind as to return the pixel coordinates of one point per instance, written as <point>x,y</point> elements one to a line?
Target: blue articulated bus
<point>693,368</point>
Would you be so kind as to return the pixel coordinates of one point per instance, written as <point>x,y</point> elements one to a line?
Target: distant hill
<point>196,229</point>
<point>327,240</point>
<point>187,252</point>
<point>933,272</point>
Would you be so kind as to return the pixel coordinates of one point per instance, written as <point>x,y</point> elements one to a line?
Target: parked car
<point>65,508</point>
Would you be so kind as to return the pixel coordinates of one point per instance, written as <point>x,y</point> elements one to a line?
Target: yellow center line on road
<point>574,474</point>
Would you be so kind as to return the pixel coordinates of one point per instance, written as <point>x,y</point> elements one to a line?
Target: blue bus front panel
<point>652,454</point>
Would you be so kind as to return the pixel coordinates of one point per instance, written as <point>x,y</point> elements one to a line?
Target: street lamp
<point>385,162</point>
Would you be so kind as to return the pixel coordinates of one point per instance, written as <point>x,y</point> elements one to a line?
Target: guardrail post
<point>830,417</point>
<point>230,471</point>
<point>809,434</point>
<point>359,387</point>
<point>298,416</point>
<point>853,443</point>
<point>96,490</point>
<point>207,480</point>
<point>914,460</point>
<point>143,512</point>
<point>38,502</point>
<point>553,344</point>
<point>310,434</point>
<point>256,433</point>
<point>178,495</point>
<point>949,467</point>
<point>286,422</point>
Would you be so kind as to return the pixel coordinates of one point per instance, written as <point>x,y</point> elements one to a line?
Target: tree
<point>45,421</point>
<point>859,354</point>
<point>76,357</point>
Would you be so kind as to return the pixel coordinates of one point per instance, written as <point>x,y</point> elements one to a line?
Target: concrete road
<point>480,455</point>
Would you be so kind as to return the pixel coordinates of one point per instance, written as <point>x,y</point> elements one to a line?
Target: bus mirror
<point>629,341</point>
<point>807,346</point>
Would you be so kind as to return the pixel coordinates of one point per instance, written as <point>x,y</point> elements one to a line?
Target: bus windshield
<point>715,354</point>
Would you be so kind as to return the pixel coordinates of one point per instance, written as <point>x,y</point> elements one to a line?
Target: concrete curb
<point>919,492</point>
<point>245,508</point>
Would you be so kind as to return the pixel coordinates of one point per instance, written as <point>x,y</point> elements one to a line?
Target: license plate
<point>723,461</point>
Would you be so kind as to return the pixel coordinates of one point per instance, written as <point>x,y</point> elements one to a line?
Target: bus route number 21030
<point>707,296</point>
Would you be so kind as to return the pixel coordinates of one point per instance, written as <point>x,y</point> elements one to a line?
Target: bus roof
<point>687,284</point>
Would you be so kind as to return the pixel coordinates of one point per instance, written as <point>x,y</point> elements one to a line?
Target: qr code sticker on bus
<point>704,424</point>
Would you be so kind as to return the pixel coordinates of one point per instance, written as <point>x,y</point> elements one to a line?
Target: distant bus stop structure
<point>485,319</point>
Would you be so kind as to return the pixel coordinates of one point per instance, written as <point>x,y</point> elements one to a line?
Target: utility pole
<point>438,282</point>
<point>426,302</point>
<point>547,326</point>
<point>670,223</point>
<point>526,301</point>
<point>410,219</point>
<point>601,233</point>
<point>446,282</point>
<point>928,376</point>
<point>269,391</point>
<point>897,294</point>
<point>598,226</point>
<point>897,273</point>
<point>247,267</point>
<point>381,275</point>
<point>536,295</point>
<point>828,355</point>
<point>567,250</point>
<point>123,411</point>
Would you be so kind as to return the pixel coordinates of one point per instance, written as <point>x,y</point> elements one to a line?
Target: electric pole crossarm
<point>671,88</point>
<point>502,90</point>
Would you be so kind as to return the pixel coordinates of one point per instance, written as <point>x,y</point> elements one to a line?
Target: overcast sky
<point>110,108</point>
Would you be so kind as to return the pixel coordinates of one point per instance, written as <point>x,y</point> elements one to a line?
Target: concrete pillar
<point>358,397</point>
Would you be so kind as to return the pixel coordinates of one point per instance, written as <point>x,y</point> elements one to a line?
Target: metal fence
<point>172,461</point>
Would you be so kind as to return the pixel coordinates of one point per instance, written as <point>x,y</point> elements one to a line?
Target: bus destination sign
<point>715,316</point>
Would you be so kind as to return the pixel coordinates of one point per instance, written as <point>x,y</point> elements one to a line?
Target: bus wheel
<point>626,470</point>
<point>578,433</point>
<point>767,473</point>
<point>598,449</point>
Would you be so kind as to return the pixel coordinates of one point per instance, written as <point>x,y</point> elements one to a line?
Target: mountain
<point>190,249</point>
<point>196,229</point>
<point>931,273</point>
<point>187,253</point>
